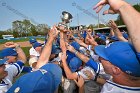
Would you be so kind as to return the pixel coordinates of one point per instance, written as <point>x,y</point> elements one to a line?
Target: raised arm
<point>44,57</point>
<point>79,41</point>
<point>80,55</point>
<point>80,83</point>
<point>129,15</point>
<point>67,70</point>
<point>62,42</point>
<point>116,30</point>
<point>21,54</point>
<point>111,32</point>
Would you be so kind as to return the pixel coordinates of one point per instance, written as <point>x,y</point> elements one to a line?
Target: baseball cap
<point>70,54</point>
<point>84,34</point>
<point>33,60</point>
<point>103,37</point>
<point>114,38</point>
<point>122,55</point>
<point>44,80</point>
<point>98,34</point>
<point>3,61</point>
<point>55,50</point>
<point>37,44</point>
<point>75,63</point>
<point>32,40</point>
<point>8,52</point>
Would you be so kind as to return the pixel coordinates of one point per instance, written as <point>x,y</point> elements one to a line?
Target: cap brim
<point>55,70</point>
<point>3,61</point>
<point>100,50</point>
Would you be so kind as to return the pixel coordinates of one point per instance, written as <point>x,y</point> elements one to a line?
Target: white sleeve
<point>92,54</point>
<point>95,57</point>
<point>14,70</point>
<point>33,52</point>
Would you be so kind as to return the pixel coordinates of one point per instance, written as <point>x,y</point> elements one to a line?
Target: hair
<point>100,41</point>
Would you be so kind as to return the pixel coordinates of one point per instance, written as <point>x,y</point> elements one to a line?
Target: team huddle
<point>88,63</point>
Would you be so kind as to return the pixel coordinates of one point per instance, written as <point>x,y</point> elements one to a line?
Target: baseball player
<point>9,71</point>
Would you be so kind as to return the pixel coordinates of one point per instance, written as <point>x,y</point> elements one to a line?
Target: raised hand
<point>80,81</point>
<point>115,5</point>
<point>91,40</point>
<point>63,56</point>
<point>53,32</point>
<point>62,28</point>
<point>10,44</point>
<point>70,48</point>
<point>112,24</point>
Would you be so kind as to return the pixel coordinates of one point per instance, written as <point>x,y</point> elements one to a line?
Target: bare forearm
<point>111,32</point>
<point>68,72</point>
<point>62,42</point>
<point>80,42</point>
<point>81,89</point>
<point>81,56</point>
<point>132,20</point>
<point>119,35</point>
<point>21,54</point>
<point>44,57</point>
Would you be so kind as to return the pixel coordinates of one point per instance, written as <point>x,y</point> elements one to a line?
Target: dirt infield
<point>22,44</point>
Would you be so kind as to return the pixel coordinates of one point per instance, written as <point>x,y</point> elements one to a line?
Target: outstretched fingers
<point>100,5</point>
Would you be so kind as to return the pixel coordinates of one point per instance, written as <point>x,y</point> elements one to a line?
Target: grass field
<point>2,41</point>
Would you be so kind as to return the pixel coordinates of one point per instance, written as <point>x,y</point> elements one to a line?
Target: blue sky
<point>49,11</point>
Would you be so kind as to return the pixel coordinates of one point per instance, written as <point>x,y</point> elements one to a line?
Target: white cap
<point>32,60</point>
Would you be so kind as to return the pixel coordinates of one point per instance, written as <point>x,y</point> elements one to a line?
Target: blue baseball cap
<point>75,63</point>
<point>3,61</point>
<point>32,40</point>
<point>70,54</point>
<point>8,52</point>
<point>55,50</point>
<point>84,34</point>
<point>103,37</point>
<point>114,38</point>
<point>45,80</point>
<point>98,34</point>
<point>37,44</point>
<point>122,55</point>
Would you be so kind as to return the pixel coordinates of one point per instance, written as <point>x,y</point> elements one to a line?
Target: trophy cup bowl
<point>66,17</point>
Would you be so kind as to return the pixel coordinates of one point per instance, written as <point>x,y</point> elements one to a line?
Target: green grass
<point>19,40</point>
<point>26,51</point>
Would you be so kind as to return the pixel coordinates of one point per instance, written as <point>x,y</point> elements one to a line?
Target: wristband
<point>75,52</point>
<point>18,46</point>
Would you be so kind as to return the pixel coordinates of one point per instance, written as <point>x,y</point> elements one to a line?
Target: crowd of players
<point>89,63</point>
